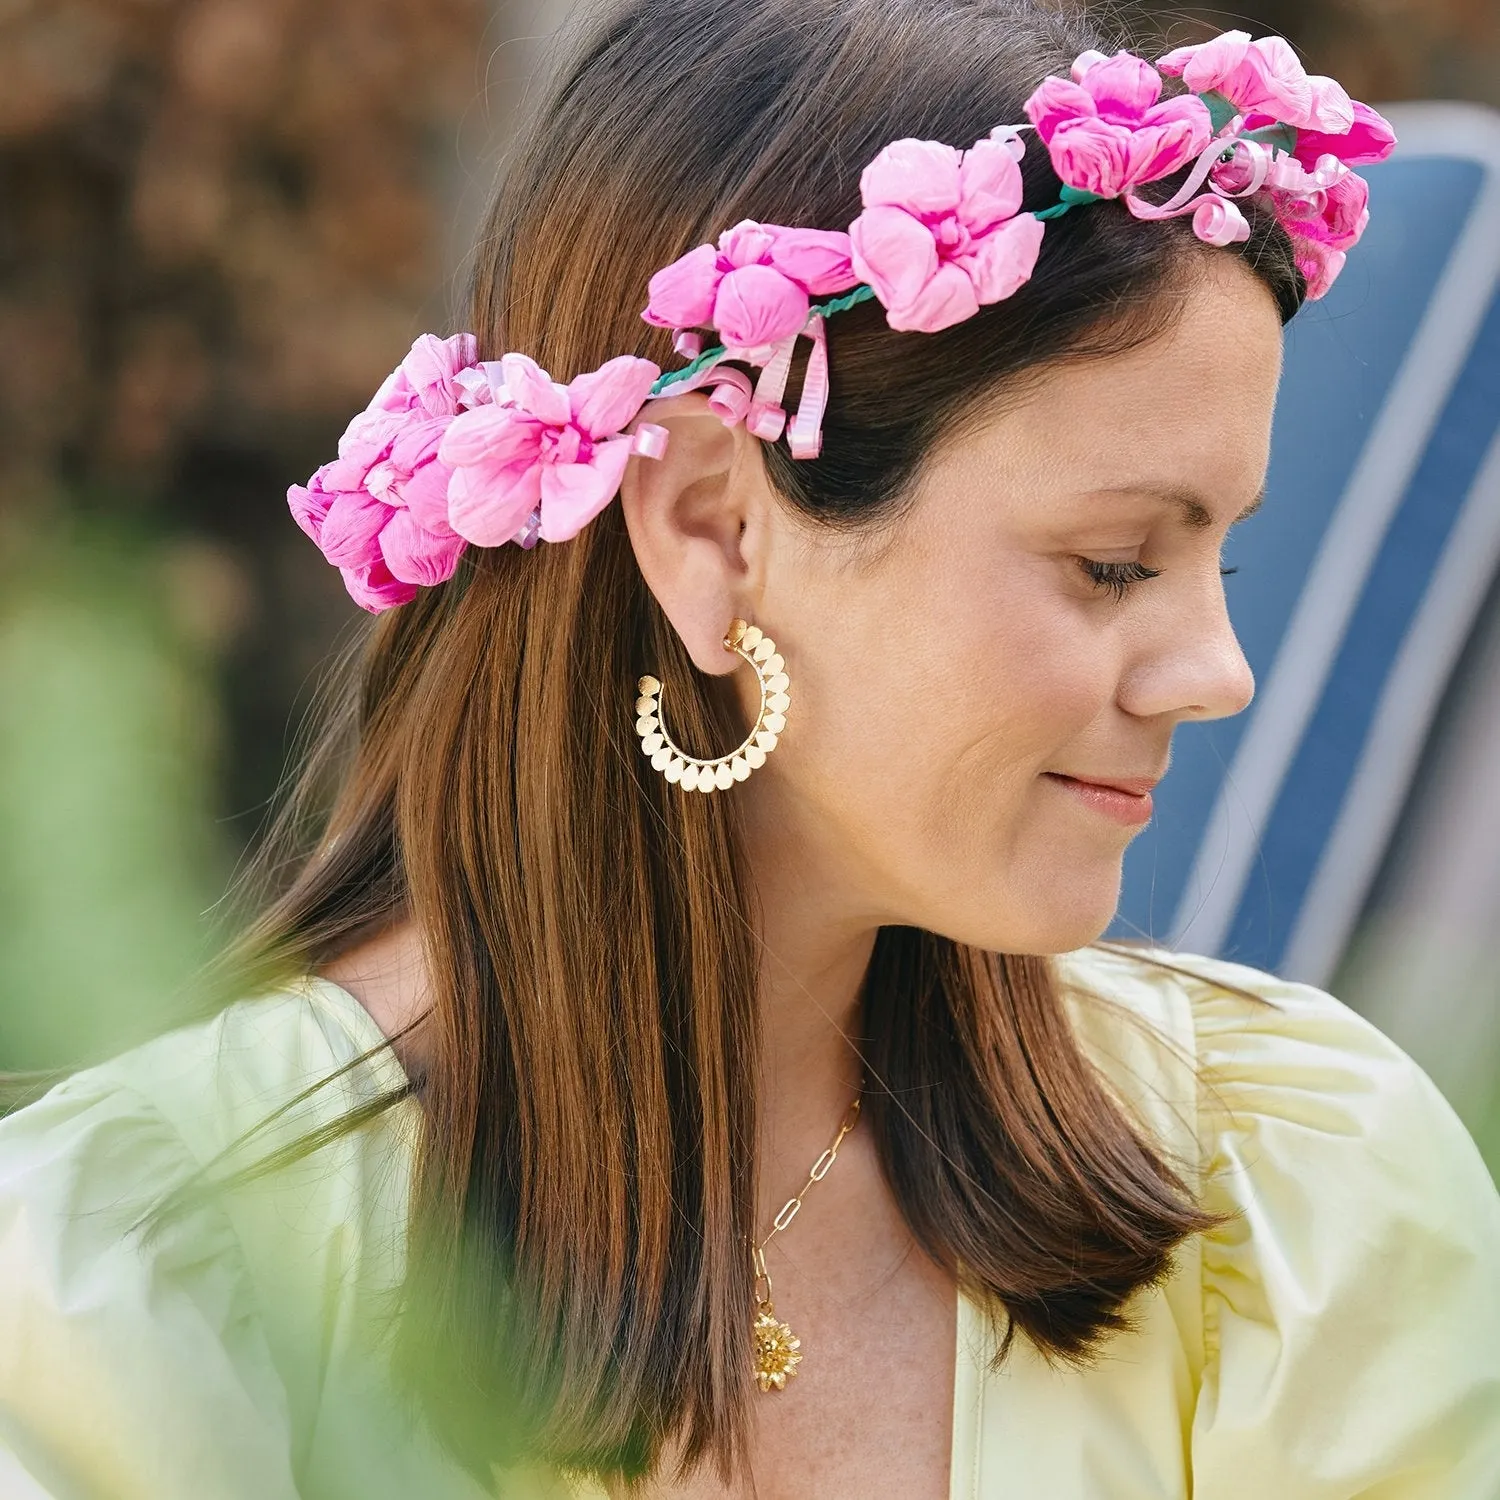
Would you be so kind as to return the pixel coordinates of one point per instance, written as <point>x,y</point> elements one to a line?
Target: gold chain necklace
<point>778,1351</point>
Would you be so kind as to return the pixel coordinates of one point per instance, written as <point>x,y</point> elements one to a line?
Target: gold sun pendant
<point>777,1349</point>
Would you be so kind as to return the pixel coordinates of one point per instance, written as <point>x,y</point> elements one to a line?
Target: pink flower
<point>416,554</point>
<point>1320,265</point>
<point>374,588</point>
<point>1106,130</point>
<point>427,379</point>
<point>409,475</point>
<point>1264,77</point>
<point>379,510</point>
<point>349,535</point>
<point>754,286</point>
<point>547,446</point>
<point>942,232</point>
<point>388,462</point>
<point>368,535</point>
<point>1335,216</point>
<point>1324,224</point>
<point>1370,139</point>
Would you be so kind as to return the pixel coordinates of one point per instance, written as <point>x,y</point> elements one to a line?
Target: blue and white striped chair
<point>1359,582</point>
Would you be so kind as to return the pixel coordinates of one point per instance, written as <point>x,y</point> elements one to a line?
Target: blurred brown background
<point>221,223</point>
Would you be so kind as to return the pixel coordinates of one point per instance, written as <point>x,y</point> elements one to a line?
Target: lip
<point>1136,786</point>
<point>1125,799</point>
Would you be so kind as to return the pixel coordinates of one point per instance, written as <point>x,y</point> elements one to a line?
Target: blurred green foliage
<point>109,850</point>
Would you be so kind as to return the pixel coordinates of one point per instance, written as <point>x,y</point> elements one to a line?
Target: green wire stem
<point>842,303</point>
<point>1069,197</point>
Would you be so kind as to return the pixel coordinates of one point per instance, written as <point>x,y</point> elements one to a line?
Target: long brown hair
<point>585,1178</point>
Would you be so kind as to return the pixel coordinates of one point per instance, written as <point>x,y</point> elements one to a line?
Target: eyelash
<point>1120,578</point>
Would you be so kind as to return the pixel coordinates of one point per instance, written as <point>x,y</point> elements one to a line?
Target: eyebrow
<point>1196,516</point>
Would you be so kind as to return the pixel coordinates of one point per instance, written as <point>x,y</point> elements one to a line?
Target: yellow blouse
<point>1340,1338</point>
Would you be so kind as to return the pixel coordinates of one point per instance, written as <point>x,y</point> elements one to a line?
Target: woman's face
<point>945,675</point>
<point>947,680</point>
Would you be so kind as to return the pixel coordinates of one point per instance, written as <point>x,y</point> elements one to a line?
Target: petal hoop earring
<point>695,775</point>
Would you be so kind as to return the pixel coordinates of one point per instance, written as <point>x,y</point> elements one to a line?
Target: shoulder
<point>1267,1056</point>
<point>255,1060</point>
<point>204,1085</point>
<point>220,1314</point>
<point>211,1103</point>
<point>1285,1079</point>
<point>1351,1297</point>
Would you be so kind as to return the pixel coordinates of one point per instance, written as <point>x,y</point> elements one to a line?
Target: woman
<point>478,1186</point>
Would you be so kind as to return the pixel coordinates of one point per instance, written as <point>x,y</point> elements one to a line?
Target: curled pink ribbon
<point>649,440</point>
<point>730,397</point>
<point>1222,222</point>
<point>766,419</point>
<point>531,531</point>
<point>805,435</point>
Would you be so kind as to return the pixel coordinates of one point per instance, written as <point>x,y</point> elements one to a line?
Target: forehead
<point>1186,413</point>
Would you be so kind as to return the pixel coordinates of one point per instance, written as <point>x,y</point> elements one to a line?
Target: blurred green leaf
<point>109,855</point>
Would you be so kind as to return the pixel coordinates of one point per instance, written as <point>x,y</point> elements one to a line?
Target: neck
<point>815,951</point>
<point>810,1001</point>
<point>814,955</point>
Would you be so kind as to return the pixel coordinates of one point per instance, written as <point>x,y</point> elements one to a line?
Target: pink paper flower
<point>754,286</point>
<point>1262,77</point>
<point>1320,265</point>
<point>1335,216</point>
<point>545,446</point>
<point>375,588</point>
<point>409,475</point>
<point>1324,225</point>
<point>379,510</point>
<point>1106,129</point>
<point>942,233</point>
<point>1370,139</point>
<point>1323,207</point>
<point>428,378</point>
<point>369,535</point>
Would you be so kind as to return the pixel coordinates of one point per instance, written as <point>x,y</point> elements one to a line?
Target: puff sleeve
<point>129,1369</point>
<point>1351,1310</point>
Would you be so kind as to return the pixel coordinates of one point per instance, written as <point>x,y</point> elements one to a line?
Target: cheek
<point>1037,678</point>
<point>1016,670</point>
<point>985,849</point>
<point>937,710</point>
<point>921,723</point>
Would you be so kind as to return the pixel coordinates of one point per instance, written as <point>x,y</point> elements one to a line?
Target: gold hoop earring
<point>723,771</point>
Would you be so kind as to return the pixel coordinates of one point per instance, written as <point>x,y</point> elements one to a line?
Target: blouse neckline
<point>973,1334</point>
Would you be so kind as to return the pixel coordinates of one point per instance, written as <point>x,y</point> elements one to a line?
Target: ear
<point>696,518</point>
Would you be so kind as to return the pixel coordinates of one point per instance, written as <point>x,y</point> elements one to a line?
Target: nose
<point>1190,664</point>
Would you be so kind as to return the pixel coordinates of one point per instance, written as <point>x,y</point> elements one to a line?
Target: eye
<point>1118,578</point>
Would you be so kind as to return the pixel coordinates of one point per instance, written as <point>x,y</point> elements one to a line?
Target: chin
<point>1056,937</point>
<point>1040,929</point>
<point>1049,918</point>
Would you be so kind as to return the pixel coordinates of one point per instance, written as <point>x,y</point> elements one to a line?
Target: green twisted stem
<point>861,293</point>
<point>1069,197</point>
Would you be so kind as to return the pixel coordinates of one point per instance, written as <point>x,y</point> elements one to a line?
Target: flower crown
<point>454,450</point>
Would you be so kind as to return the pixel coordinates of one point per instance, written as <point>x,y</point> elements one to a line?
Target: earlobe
<point>689,514</point>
